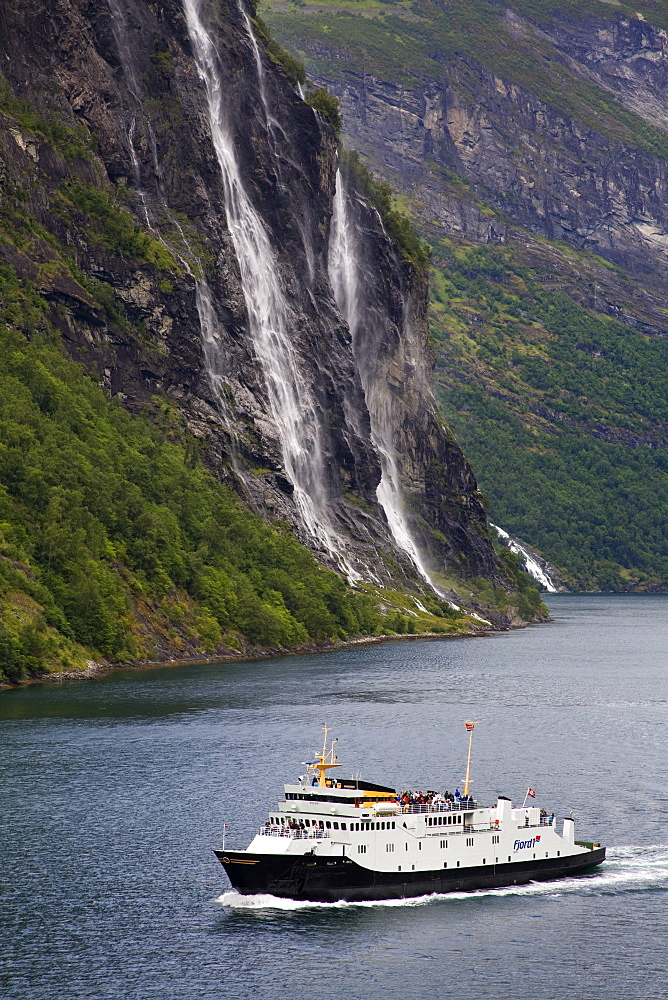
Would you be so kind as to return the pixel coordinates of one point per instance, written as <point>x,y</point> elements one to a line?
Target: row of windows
<point>316,824</point>
<point>329,824</point>
<point>443,820</point>
<point>306,797</point>
<point>384,825</point>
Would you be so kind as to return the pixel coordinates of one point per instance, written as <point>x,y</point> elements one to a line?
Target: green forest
<point>104,519</point>
<point>563,414</point>
<point>114,537</point>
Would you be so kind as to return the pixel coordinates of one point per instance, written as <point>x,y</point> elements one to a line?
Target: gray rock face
<point>128,72</point>
<point>394,361</point>
<point>543,169</point>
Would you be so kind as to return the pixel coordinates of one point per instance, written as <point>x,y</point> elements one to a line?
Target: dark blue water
<point>115,791</point>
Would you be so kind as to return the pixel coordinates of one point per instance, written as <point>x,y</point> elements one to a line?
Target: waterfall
<point>274,132</point>
<point>291,404</point>
<point>345,275</point>
<point>208,321</point>
<point>528,560</point>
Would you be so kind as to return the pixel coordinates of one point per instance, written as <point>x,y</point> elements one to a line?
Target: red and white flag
<point>531,792</point>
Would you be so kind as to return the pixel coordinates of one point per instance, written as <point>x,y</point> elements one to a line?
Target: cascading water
<point>528,560</point>
<point>292,407</point>
<point>208,321</point>
<point>275,132</point>
<point>345,277</point>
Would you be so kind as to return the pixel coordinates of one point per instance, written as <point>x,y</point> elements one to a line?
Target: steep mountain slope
<point>168,210</point>
<point>540,129</point>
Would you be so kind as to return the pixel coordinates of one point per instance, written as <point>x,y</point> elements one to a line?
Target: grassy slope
<point>561,411</point>
<point>414,40</point>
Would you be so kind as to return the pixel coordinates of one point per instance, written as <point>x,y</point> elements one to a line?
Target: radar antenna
<point>324,760</point>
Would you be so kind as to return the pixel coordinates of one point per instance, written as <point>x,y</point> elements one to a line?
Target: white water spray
<point>291,403</point>
<point>528,560</point>
<point>345,278</point>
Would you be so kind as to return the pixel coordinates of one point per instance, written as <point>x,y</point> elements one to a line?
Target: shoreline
<point>98,670</point>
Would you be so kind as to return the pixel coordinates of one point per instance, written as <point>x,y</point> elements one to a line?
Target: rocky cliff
<point>531,141</point>
<point>546,158</point>
<point>168,191</point>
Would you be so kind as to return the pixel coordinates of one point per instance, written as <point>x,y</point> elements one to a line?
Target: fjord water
<point>114,793</point>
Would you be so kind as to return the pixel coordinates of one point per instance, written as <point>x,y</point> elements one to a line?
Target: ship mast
<point>324,760</point>
<point>470,726</point>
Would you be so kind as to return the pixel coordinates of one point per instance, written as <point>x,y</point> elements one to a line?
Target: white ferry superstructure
<point>336,839</point>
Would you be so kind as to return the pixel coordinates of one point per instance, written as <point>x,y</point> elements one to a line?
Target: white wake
<point>626,869</point>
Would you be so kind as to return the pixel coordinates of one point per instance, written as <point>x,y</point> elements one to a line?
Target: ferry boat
<point>334,838</point>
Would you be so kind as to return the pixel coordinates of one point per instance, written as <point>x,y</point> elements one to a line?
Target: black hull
<point>328,880</point>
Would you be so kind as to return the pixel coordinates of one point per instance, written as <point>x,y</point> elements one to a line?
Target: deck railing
<point>439,807</point>
<point>292,834</point>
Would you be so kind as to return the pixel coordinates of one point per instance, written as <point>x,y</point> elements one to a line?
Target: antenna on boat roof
<point>324,760</point>
<point>470,726</point>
